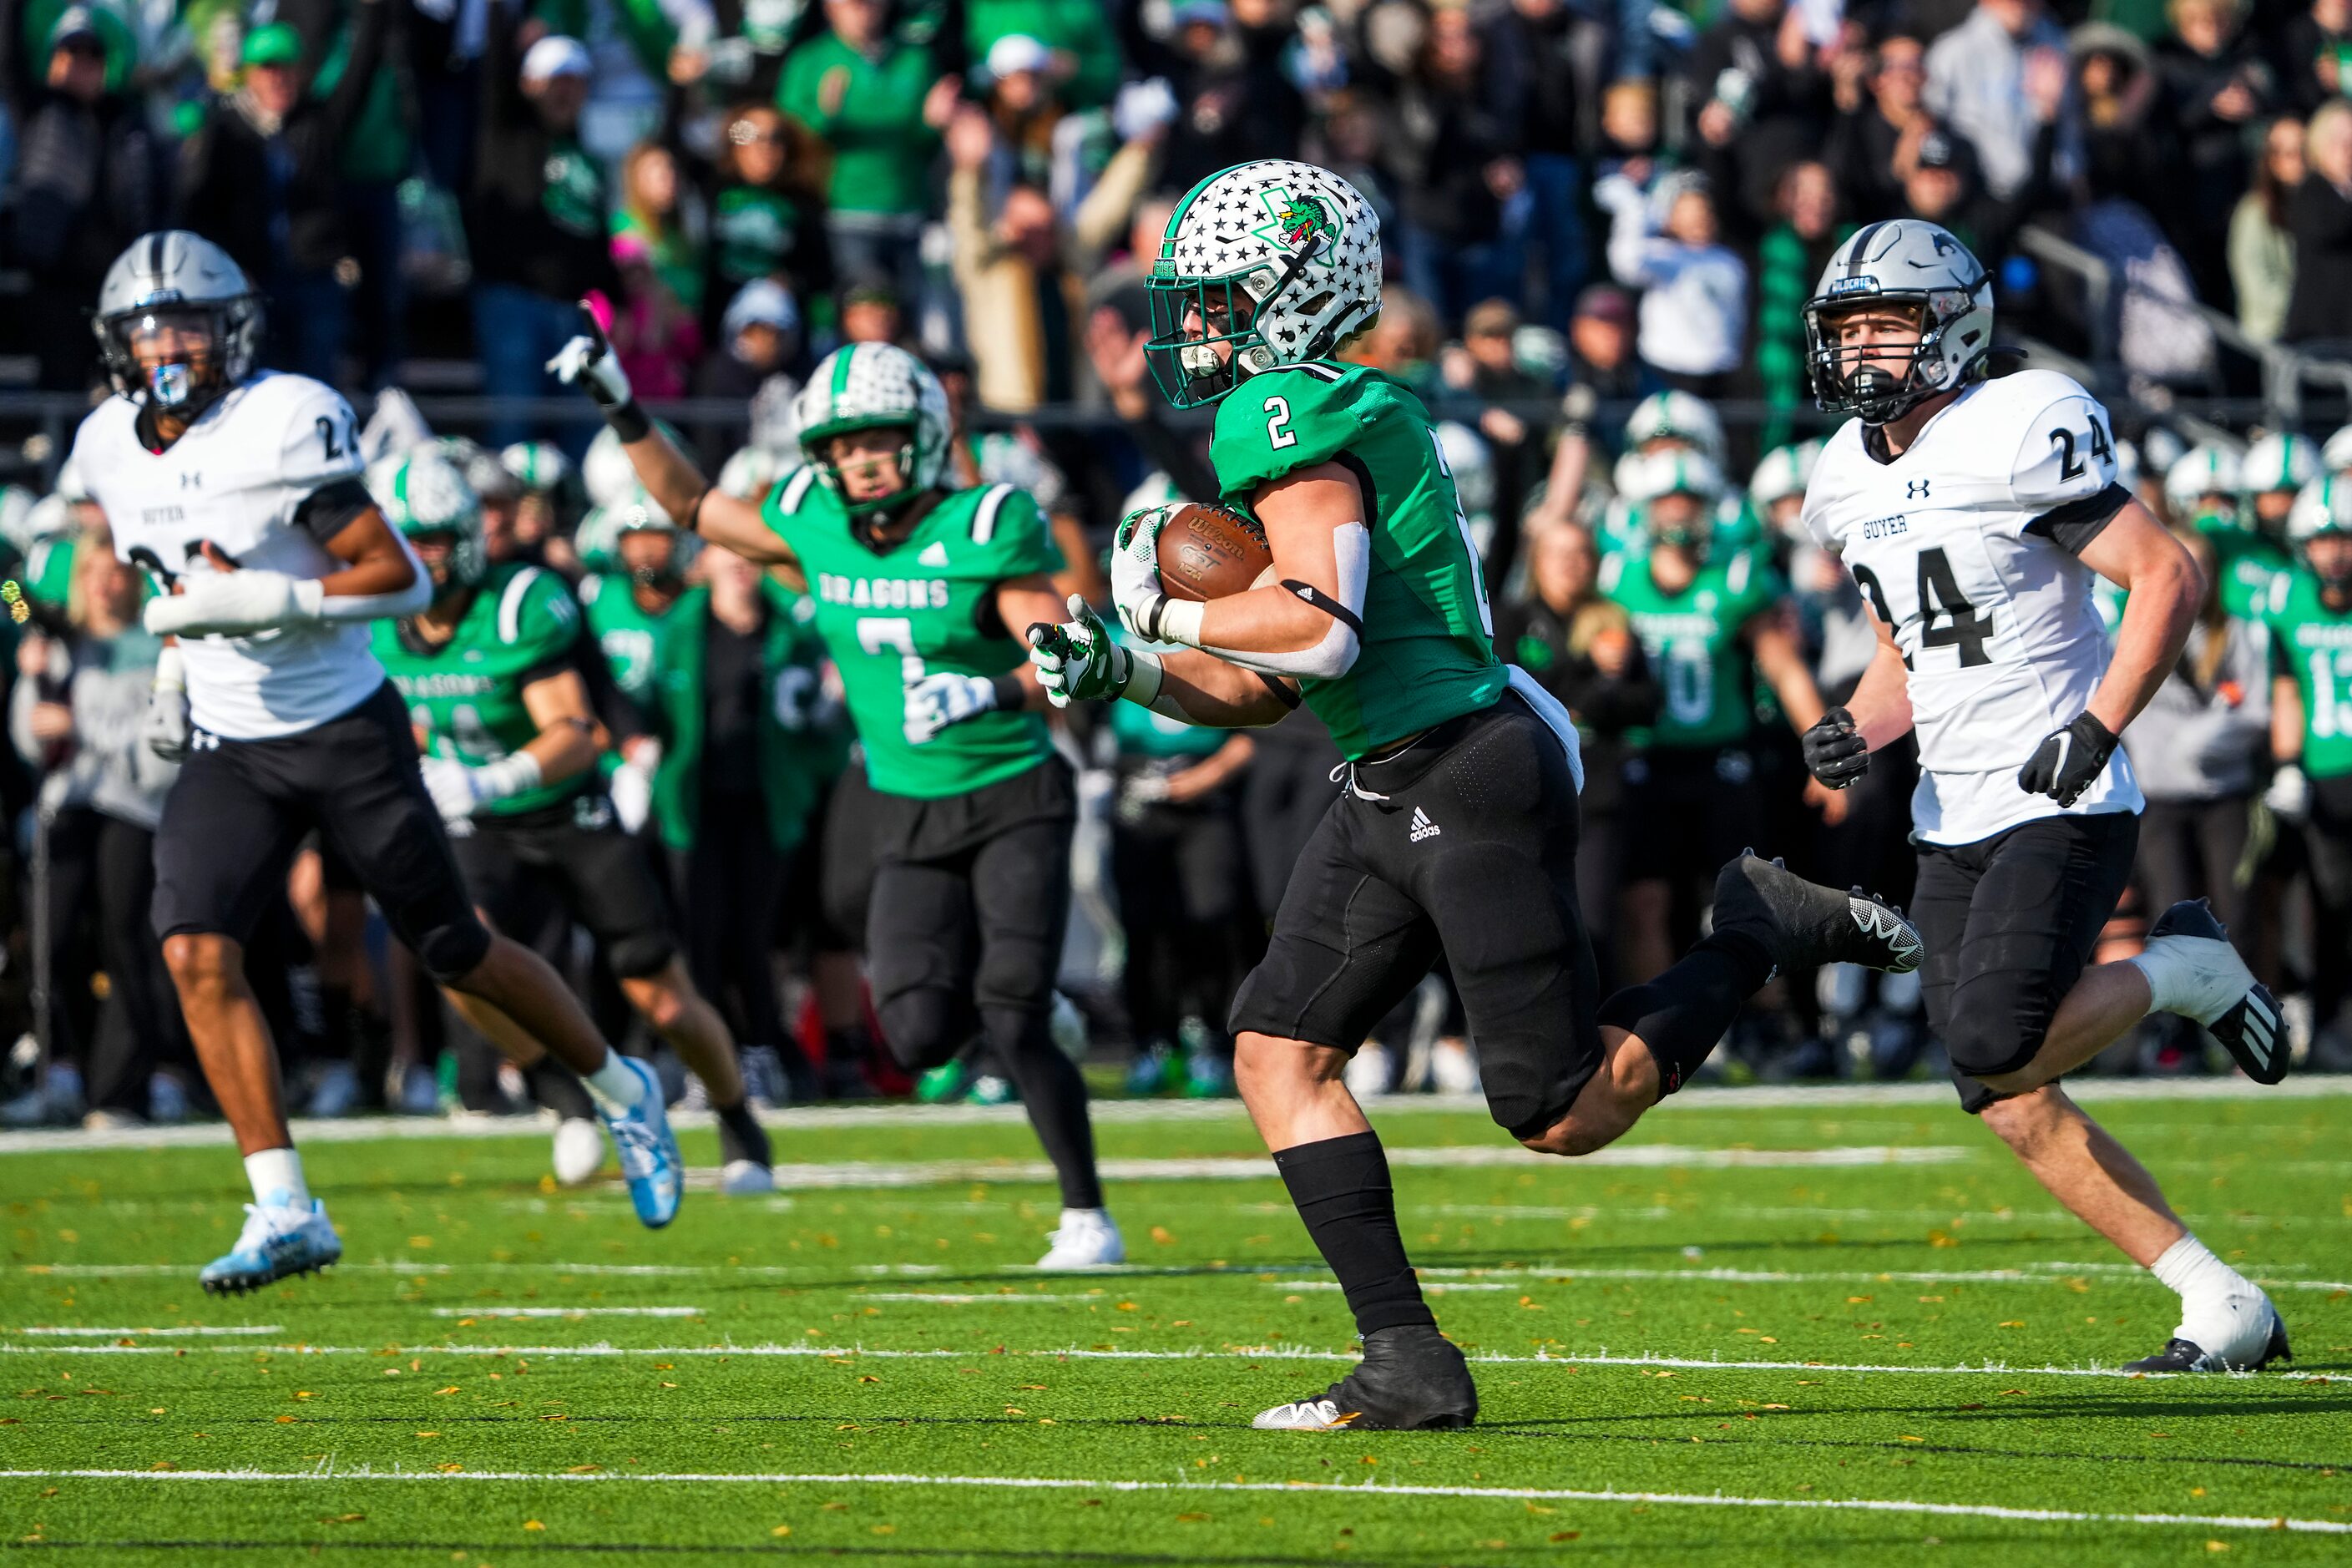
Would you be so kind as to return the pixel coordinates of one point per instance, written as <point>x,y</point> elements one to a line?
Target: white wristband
<point>507,776</point>
<point>171,672</point>
<point>1179,621</point>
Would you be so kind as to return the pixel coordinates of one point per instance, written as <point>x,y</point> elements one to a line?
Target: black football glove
<point>2068,761</point>
<point>1835,752</point>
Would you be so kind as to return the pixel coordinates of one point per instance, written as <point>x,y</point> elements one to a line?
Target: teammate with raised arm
<point>1455,835</point>
<point>1977,515</point>
<point>918,589</point>
<point>239,490</point>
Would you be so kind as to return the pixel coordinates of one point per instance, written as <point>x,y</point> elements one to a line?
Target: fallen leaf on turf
<point>451,1389</point>
<point>451,1468</point>
<point>1907,1438</point>
<point>886,1530</point>
<point>428,1434</point>
<point>583,1470</point>
<point>1192,1518</point>
<point>532,1524</point>
<point>835,1507</point>
<point>1772,1407</point>
<point>869,1378</point>
<point>781,1530</point>
<point>1566,1534</point>
<point>2217,1546</point>
<point>163,1465</point>
<point>341,1518</point>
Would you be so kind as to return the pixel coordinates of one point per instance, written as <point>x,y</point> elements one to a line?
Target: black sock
<point>1340,1188</point>
<point>1053,1093</point>
<point>1683,1013</point>
<point>559,1088</point>
<point>740,1136</point>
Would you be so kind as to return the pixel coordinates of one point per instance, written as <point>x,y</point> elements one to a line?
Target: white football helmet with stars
<point>1278,259</point>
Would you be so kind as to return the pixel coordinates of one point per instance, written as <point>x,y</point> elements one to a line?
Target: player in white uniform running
<point>239,491</point>
<point>1977,516</point>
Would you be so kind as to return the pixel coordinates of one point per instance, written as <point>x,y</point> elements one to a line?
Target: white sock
<point>615,1085</point>
<point>276,1178</point>
<point>2189,1268</point>
<point>2196,977</point>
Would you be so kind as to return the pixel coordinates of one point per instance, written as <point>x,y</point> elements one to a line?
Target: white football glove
<point>2289,796</point>
<point>588,362</point>
<point>458,789</point>
<point>1077,661</point>
<point>234,604</point>
<point>1135,589</point>
<point>939,700</point>
<point>631,789</point>
<point>165,729</point>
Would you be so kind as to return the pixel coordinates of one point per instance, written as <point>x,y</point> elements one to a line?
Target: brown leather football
<point>1210,552</point>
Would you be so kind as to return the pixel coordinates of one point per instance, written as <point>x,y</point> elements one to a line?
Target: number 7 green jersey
<point>1427,650</point>
<point>925,604</point>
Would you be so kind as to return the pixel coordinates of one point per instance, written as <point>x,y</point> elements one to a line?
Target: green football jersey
<point>923,606</point>
<point>467,694</point>
<point>1692,642</point>
<point>630,637</point>
<point>1427,650</point>
<point>2246,563</point>
<point>2313,644</point>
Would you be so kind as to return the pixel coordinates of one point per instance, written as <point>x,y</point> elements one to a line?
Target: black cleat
<point>2186,1355</point>
<point>2244,1015</point>
<point>1803,924</point>
<point>1410,1380</point>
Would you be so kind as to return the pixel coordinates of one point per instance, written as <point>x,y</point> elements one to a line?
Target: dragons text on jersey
<point>925,604</point>
<point>1966,545</point>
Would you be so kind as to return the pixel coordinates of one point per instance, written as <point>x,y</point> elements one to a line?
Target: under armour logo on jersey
<point>204,741</point>
<point>1915,489</point>
<point>192,481</point>
<point>1421,826</point>
<point>935,553</point>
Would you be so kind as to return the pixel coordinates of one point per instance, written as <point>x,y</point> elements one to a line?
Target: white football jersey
<point>238,479</point>
<point>1962,545</point>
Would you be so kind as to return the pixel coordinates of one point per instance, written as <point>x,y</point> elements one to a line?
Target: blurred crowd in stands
<point>1600,221</point>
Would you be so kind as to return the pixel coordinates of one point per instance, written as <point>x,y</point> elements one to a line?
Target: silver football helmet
<point>174,279</point>
<point>1905,264</point>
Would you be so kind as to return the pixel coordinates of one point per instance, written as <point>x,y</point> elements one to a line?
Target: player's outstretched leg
<point>667,1000</point>
<point>286,1230</point>
<point>2193,970</point>
<point>518,983</point>
<point>1654,1035</point>
<point>2227,1323</point>
<point>1412,1376</point>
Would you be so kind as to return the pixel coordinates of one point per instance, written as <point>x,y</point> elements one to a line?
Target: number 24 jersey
<point>1966,545</point>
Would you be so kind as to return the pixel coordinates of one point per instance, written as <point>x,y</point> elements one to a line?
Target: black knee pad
<point>923,1028</point>
<point>640,953</point>
<point>1989,1035</point>
<point>449,953</point>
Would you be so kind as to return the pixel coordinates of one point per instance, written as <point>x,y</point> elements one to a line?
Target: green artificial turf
<point>1845,1302</point>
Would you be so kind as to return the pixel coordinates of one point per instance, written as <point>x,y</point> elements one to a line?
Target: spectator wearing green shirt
<point>880,104</point>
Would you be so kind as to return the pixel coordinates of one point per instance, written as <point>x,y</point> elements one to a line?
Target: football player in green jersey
<point>2309,614</point>
<point>1456,833</point>
<point>918,590</point>
<point>1711,619</point>
<point>489,671</point>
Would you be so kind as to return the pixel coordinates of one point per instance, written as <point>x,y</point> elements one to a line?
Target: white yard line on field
<point>805,1352</point>
<point>188,1331</point>
<point>1519,1278</point>
<point>495,1311</point>
<point>1825,1097</point>
<point>1366,1489</point>
<point>957,1301</point>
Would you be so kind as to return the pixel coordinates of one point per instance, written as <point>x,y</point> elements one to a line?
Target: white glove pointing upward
<point>588,362</point>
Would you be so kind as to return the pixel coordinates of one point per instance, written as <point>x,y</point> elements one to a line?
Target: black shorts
<point>1687,812</point>
<point>1466,849</point>
<point>2009,922</point>
<point>969,901</point>
<point>240,808</point>
<point>534,874</point>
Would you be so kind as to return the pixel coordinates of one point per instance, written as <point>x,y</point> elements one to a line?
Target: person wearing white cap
<point>537,223</point>
<point>760,334</point>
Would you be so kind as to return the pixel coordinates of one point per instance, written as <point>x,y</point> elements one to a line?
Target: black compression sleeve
<point>2072,527</point>
<point>328,510</point>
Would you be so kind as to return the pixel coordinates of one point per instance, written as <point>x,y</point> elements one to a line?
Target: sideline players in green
<point>489,672</point>
<point>2309,613</point>
<point>1711,618</point>
<point>1455,835</point>
<point>917,590</point>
